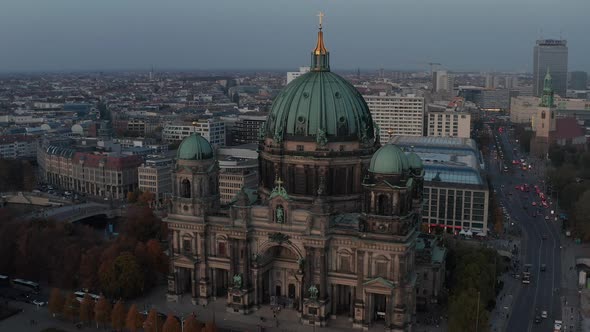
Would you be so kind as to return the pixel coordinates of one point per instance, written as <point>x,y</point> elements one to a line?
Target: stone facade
<point>331,229</point>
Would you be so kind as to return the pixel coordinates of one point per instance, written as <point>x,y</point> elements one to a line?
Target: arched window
<point>185,189</point>
<point>543,115</point>
<point>381,204</point>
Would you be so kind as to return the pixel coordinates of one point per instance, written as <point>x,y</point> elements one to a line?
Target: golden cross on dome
<point>321,16</point>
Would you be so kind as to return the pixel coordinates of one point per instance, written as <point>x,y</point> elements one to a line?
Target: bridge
<point>73,213</point>
<point>31,198</point>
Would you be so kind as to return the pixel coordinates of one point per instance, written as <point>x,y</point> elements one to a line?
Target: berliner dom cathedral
<point>331,230</point>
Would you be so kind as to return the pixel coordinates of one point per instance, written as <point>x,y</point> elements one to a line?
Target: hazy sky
<point>279,34</point>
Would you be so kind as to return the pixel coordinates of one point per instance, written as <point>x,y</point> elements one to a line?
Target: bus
<point>526,274</point>
<point>80,296</point>
<point>26,285</point>
<point>4,281</point>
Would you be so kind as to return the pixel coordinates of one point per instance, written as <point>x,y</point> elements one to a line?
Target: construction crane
<point>432,64</point>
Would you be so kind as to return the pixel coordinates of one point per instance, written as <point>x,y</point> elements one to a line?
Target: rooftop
<point>445,159</point>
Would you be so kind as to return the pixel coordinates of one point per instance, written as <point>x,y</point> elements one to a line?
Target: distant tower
<point>550,53</point>
<point>152,74</point>
<point>358,73</point>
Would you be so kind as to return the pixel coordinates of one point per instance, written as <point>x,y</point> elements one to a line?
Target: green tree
<point>102,312</point>
<point>463,312</point>
<point>118,316</point>
<point>87,309</point>
<point>171,324</point>
<point>56,302</point>
<point>71,307</point>
<point>134,320</point>
<point>124,278</point>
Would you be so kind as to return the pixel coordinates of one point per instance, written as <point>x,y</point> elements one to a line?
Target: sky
<point>463,35</point>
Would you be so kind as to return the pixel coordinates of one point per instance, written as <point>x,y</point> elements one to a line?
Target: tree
<point>132,197</point>
<point>124,278</point>
<point>102,312</point>
<point>87,309</point>
<point>210,327</point>
<point>88,270</point>
<point>71,307</point>
<point>171,324</point>
<point>146,198</point>
<point>157,259</point>
<point>153,322</point>
<point>191,324</point>
<point>141,224</point>
<point>118,316</point>
<point>134,320</point>
<point>582,216</point>
<point>463,310</point>
<point>56,302</point>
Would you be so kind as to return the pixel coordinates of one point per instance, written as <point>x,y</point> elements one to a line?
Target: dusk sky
<point>481,35</point>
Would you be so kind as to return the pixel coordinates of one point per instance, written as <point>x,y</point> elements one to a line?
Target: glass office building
<point>550,54</point>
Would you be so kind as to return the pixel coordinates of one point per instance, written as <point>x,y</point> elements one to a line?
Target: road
<point>543,293</point>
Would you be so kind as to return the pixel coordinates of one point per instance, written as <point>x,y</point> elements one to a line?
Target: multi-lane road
<point>540,244</point>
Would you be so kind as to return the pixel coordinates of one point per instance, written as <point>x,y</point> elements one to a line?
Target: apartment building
<point>92,173</point>
<point>397,115</point>
<point>238,168</point>
<point>212,129</point>
<point>155,176</point>
<point>17,147</point>
<point>447,122</point>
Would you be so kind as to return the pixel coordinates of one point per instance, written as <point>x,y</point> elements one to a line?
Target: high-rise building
<point>397,115</point>
<point>550,54</point>
<point>578,80</point>
<point>442,81</point>
<point>291,75</point>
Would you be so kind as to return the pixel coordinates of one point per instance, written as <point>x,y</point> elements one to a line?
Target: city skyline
<point>260,35</point>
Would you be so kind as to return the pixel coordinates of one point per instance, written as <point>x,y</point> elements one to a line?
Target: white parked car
<point>544,314</point>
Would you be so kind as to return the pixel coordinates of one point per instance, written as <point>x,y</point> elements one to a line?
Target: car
<point>502,186</point>
<point>537,319</point>
<point>543,267</point>
<point>546,217</point>
<point>38,303</point>
<point>534,203</point>
<point>544,314</point>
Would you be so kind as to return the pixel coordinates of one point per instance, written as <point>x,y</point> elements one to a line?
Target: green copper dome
<point>389,159</point>
<point>414,161</point>
<point>321,106</point>
<point>194,147</point>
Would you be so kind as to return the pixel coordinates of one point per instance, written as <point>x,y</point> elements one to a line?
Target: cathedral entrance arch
<point>280,277</point>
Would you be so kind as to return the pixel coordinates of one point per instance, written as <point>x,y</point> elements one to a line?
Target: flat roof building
<point>397,115</point>
<point>456,195</point>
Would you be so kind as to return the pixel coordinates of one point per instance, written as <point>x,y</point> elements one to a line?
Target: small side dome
<point>415,161</point>
<point>194,147</point>
<point>389,159</point>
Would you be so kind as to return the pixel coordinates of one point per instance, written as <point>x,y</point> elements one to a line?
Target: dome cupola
<point>389,159</point>
<point>414,161</point>
<point>320,106</point>
<point>194,147</point>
